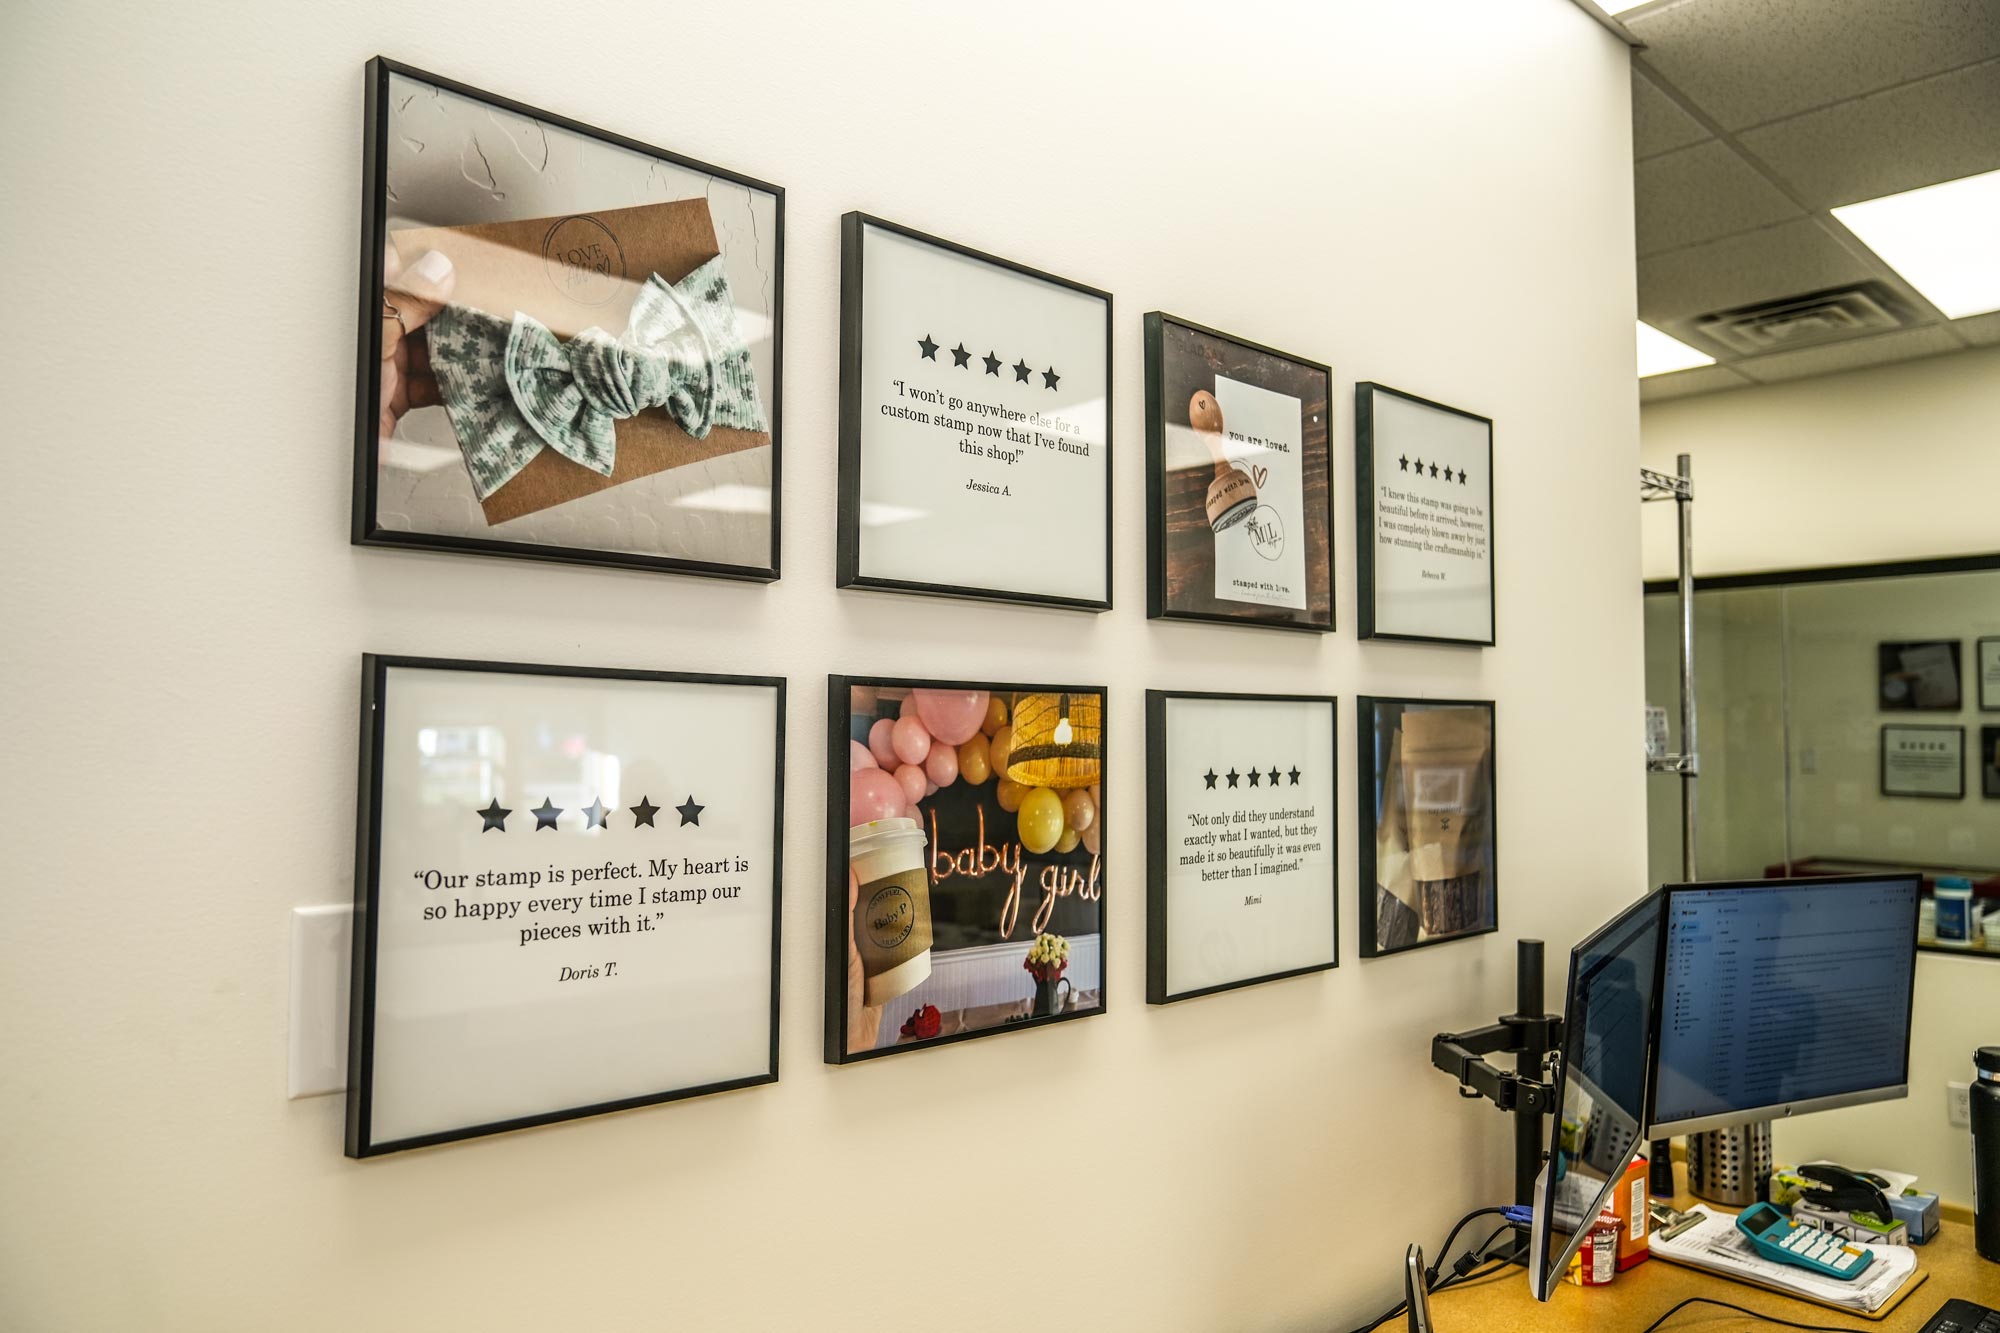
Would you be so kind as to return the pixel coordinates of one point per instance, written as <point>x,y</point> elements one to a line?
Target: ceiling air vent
<point>1805,321</point>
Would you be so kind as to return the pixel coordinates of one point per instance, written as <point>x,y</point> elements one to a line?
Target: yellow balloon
<point>996,715</point>
<point>1040,820</point>
<point>999,748</point>
<point>1068,841</point>
<point>973,763</point>
<point>1010,795</point>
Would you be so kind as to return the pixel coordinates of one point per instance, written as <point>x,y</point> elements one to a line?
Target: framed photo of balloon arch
<point>570,341</point>
<point>965,861</point>
<point>1239,480</point>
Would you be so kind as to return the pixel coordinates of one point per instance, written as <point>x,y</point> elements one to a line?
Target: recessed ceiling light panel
<point>1659,353</point>
<point>1941,239</point>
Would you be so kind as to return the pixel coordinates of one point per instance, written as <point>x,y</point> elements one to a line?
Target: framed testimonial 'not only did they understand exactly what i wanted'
<point>1423,489</point>
<point>975,424</point>
<point>570,341</point>
<point>566,894</point>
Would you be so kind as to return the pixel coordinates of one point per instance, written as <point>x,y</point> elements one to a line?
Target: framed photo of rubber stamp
<point>1239,481</point>
<point>975,423</point>
<point>1423,491</point>
<point>570,341</point>
<point>1242,855</point>
<point>566,891</point>
<point>965,861</point>
<point>1429,855</point>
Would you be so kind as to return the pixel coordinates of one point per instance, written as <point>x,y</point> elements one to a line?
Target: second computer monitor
<point>1779,997</point>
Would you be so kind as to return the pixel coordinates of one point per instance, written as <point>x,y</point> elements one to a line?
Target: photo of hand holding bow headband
<point>577,353</point>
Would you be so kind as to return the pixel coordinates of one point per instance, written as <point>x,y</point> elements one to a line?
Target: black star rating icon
<point>961,357</point>
<point>1274,777</point>
<point>992,363</point>
<point>643,813</point>
<point>690,812</point>
<point>1405,461</point>
<point>1049,378</point>
<point>1255,776</point>
<point>1434,469</point>
<point>593,813</point>
<point>545,814</point>
<point>496,817</point>
<point>929,348</point>
<point>1209,778</point>
<point>1420,467</point>
<point>1021,372</point>
<point>1294,775</point>
<point>1233,775</point>
<point>1461,476</point>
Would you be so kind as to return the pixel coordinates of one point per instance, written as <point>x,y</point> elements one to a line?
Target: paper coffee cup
<point>892,913</point>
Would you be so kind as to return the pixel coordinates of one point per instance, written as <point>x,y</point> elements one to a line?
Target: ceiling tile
<point>1979,330</point>
<point>1919,134</point>
<point>1744,62</point>
<point>1904,345</point>
<point>1687,383</point>
<point>1698,194</point>
<point>1658,125</point>
<point>1790,259</point>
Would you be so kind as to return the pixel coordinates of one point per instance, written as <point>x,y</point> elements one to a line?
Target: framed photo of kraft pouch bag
<point>570,341</point>
<point>965,867</point>
<point>1428,816</point>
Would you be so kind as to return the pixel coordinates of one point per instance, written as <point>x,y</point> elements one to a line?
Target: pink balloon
<point>910,739</point>
<point>879,745</point>
<point>930,788</point>
<point>911,779</point>
<point>873,794</point>
<point>859,756</point>
<point>908,706</point>
<point>941,765</point>
<point>951,715</point>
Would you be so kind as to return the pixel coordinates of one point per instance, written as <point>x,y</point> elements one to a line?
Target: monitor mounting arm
<point>1529,1035</point>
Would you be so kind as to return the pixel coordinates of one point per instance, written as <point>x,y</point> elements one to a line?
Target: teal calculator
<point>1779,1238</point>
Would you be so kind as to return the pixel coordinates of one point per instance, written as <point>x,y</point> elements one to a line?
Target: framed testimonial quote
<point>566,895</point>
<point>1923,761</point>
<point>1423,480</point>
<point>975,423</point>
<point>570,341</point>
<point>1240,817</point>
<point>965,861</point>
<point>1988,667</point>
<point>1239,485</point>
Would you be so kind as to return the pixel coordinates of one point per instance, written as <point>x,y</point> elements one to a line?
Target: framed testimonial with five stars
<point>975,423</point>
<point>566,894</point>
<point>1423,484</point>
<point>1241,881</point>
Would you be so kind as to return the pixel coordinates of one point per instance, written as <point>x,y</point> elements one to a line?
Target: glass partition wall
<point>1841,728</point>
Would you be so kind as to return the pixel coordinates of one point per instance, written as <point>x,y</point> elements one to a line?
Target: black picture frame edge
<point>364,530</point>
<point>1156,842</point>
<point>1154,340</point>
<point>1364,521</point>
<point>1883,758</point>
<point>1782,578</point>
<point>847,526</point>
<point>1957,668</point>
<point>1364,727</point>
<point>375,668</point>
<point>1979,672</point>
<point>839,716</point>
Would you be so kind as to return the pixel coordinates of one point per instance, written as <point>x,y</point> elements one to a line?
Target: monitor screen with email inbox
<point>1783,996</point>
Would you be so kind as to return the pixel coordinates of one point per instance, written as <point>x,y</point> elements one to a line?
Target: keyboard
<point>1963,1317</point>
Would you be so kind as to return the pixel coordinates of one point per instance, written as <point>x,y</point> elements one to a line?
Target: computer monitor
<point>1609,1012</point>
<point>1783,996</point>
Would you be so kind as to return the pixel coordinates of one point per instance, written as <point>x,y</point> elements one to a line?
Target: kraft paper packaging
<point>1444,754</point>
<point>1395,895</point>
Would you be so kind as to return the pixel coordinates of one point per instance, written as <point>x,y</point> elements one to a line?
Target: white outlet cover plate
<point>322,950</point>
<point>1958,1104</point>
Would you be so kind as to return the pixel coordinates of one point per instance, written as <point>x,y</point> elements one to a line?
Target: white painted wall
<point>1896,462</point>
<point>185,616</point>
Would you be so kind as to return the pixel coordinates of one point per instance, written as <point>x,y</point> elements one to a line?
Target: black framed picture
<point>566,889</point>
<point>1989,675</point>
<point>1919,676</point>
<point>1239,480</point>
<point>1242,882</point>
<point>1429,856</point>
<point>571,341</point>
<point>1423,492</point>
<point>1926,761</point>
<point>965,861</point>
<point>1989,763</point>
<point>975,423</point>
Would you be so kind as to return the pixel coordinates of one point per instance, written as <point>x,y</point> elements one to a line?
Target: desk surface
<point>1501,1303</point>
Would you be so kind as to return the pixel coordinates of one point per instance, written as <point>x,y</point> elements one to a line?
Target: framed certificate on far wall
<point>1923,761</point>
<point>1423,483</point>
